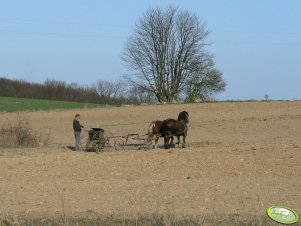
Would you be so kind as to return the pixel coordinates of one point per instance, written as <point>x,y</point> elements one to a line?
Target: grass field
<point>12,104</point>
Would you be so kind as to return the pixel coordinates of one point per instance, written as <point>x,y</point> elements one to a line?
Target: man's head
<point>77,116</point>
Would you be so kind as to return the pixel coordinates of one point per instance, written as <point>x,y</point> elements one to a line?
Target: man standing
<point>77,127</point>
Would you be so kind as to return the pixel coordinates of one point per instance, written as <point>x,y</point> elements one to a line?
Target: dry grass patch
<point>19,133</point>
<point>148,220</point>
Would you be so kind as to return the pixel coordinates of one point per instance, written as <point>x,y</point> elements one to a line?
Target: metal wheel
<point>119,143</point>
<point>109,140</point>
<point>98,142</point>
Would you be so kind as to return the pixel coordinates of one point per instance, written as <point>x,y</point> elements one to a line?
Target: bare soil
<point>241,159</point>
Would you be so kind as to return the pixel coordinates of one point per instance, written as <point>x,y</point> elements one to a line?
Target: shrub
<point>20,134</point>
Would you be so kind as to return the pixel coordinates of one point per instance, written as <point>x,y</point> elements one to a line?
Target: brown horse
<point>178,128</point>
<point>155,131</point>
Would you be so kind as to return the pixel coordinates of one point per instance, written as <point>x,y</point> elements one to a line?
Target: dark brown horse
<point>155,131</point>
<point>178,128</point>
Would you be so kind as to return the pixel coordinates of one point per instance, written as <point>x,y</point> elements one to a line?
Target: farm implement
<point>100,139</point>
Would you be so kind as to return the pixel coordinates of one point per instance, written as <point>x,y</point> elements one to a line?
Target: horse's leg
<point>183,144</point>
<point>178,142</point>
<point>156,142</point>
<point>171,141</point>
<point>184,139</point>
<point>166,141</point>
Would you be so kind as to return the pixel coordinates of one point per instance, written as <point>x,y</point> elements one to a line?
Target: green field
<point>12,104</point>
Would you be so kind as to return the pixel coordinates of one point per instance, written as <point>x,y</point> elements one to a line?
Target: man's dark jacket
<point>77,127</point>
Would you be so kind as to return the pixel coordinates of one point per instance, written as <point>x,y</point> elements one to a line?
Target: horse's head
<point>184,117</point>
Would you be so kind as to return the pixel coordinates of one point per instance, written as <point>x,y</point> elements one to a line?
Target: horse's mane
<point>183,116</point>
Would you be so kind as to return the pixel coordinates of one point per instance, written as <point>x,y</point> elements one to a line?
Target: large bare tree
<point>166,54</point>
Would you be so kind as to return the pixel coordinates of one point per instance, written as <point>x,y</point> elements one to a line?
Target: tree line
<point>102,91</point>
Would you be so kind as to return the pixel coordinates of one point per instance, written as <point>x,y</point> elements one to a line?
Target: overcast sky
<point>256,43</point>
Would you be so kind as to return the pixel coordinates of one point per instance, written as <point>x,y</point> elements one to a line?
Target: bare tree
<point>110,89</point>
<point>135,95</point>
<point>167,52</point>
<point>204,81</point>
